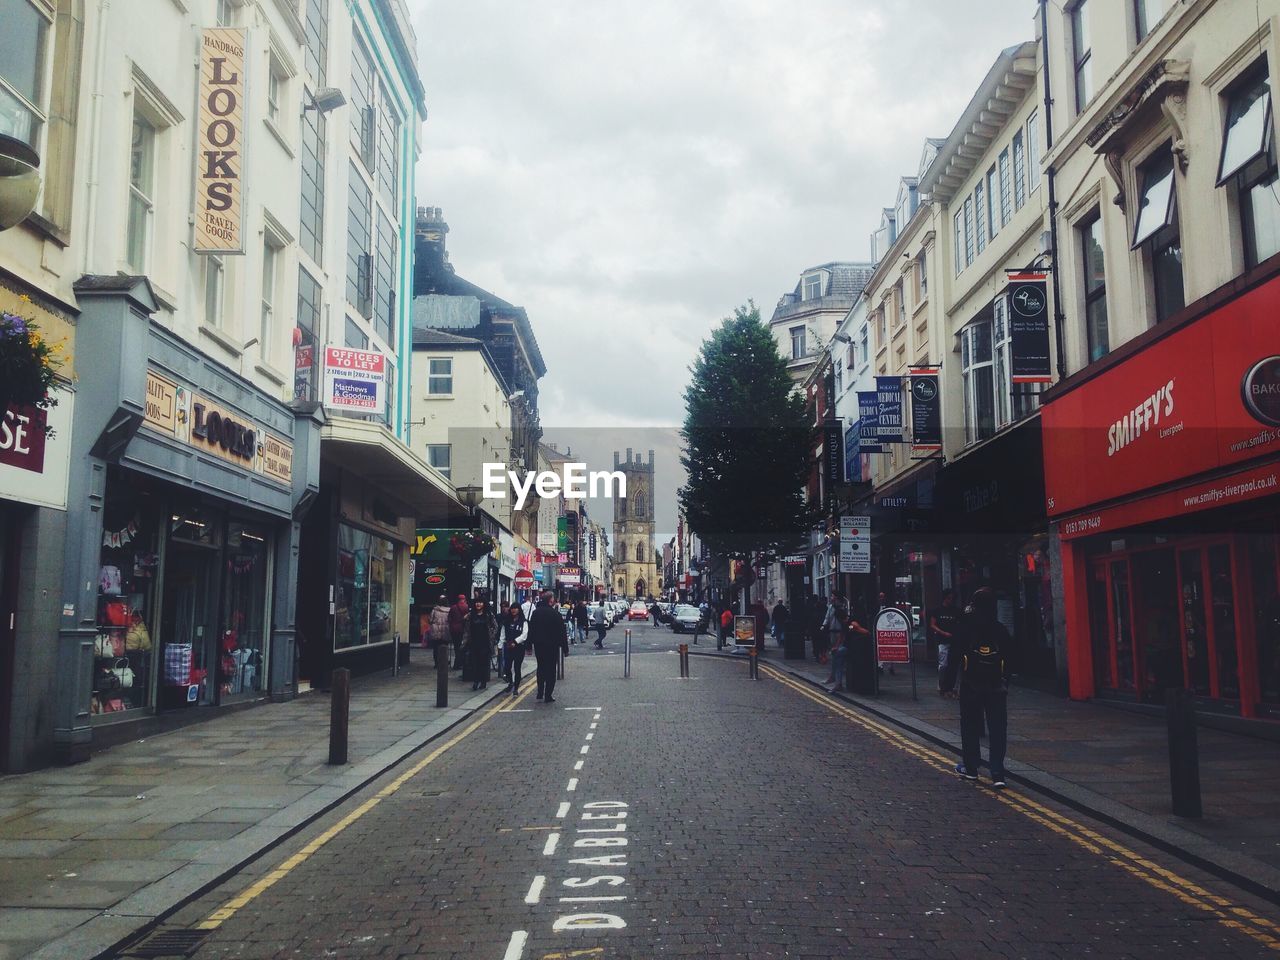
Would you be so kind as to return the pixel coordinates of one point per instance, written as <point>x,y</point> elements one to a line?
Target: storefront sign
<point>219,141</point>
<point>833,451</point>
<point>926,410</point>
<point>219,431</point>
<point>354,380</point>
<point>570,575</point>
<point>506,554</point>
<point>893,636</point>
<point>794,560</point>
<point>165,403</point>
<point>277,458</point>
<point>1193,401</point>
<point>33,466</point>
<point>855,545</point>
<point>889,409</point>
<point>869,422</point>
<point>1029,329</point>
<point>22,438</point>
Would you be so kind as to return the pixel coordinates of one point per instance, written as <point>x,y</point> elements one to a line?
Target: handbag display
<point>102,644</point>
<point>109,581</point>
<point>116,613</point>
<point>123,672</point>
<point>177,664</point>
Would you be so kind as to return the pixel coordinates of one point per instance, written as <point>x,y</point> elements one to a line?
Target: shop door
<point>189,622</point>
<point>1111,626</point>
<point>1208,621</point>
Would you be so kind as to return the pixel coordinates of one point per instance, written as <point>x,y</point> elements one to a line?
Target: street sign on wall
<point>855,545</point>
<point>893,636</point>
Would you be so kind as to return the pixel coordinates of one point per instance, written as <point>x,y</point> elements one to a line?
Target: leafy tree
<point>748,444</point>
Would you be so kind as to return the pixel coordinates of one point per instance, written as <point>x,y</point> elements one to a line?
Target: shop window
<point>1156,232</point>
<point>1264,556</point>
<point>440,376</point>
<point>1248,162</point>
<point>366,589</point>
<point>242,646</point>
<point>306,340</point>
<point>1093,270</point>
<point>23,82</point>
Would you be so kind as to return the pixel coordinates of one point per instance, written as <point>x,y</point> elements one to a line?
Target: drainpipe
<point>1058,317</point>
<point>95,135</point>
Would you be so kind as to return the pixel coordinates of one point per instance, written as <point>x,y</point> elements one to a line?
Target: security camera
<point>19,181</point>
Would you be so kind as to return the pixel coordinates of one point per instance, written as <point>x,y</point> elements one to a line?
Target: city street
<point>716,816</point>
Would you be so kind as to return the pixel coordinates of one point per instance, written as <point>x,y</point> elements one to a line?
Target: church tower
<point>635,570</point>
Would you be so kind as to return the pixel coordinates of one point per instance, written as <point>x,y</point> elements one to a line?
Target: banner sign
<point>853,453</point>
<point>889,409</point>
<point>855,545</point>
<point>832,452</point>
<point>570,575</point>
<point>926,410</point>
<point>562,535</point>
<point>354,380</point>
<point>593,545</point>
<point>220,141</point>
<point>868,422</point>
<point>893,636</point>
<point>1029,329</point>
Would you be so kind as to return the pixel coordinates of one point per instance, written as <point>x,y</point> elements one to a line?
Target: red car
<point>638,611</point>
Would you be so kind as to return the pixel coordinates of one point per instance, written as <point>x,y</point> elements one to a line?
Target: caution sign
<point>893,636</point>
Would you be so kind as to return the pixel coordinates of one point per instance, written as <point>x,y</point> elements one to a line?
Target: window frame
<point>1081,59</point>
<point>797,335</point>
<point>215,289</point>
<point>1032,127</point>
<point>968,231</point>
<point>1093,294</point>
<point>37,109</point>
<point>140,196</point>
<point>993,203</point>
<point>811,288</point>
<point>1006,186</point>
<point>970,369</point>
<point>311,215</point>
<point>979,224</point>
<point>433,377</point>
<point>1019,148</point>
<point>1250,77</point>
<point>958,240</point>
<point>1162,155</point>
<point>445,471</point>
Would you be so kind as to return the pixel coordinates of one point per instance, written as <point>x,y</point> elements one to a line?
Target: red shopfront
<point>1162,479</point>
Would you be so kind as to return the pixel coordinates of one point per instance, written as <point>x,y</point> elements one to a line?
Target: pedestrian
<point>581,620</point>
<point>761,613</point>
<point>598,620</point>
<point>437,637</point>
<point>978,661</point>
<point>458,628</point>
<point>780,617</point>
<point>833,624</point>
<point>550,638</point>
<point>840,655</point>
<point>513,629</point>
<point>943,624</point>
<point>482,630</point>
<point>726,625</point>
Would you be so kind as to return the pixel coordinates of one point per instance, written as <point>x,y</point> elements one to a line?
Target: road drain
<point>167,942</point>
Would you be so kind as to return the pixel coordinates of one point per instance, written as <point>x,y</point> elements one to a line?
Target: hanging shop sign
<point>570,575</point>
<point>889,409</point>
<point>893,636</point>
<point>33,464</point>
<point>592,543</point>
<point>1029,329</point>
<point>507,565</point>
<point>833,451</point>
<point>869,422</point>
<point>926,410</point>
<point>354,380</point>
<point>220,141</point>
<point>562,535</point>
<point>855,545</point>
<point>1201,398</point>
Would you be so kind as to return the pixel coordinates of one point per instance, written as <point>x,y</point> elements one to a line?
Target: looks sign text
<point>220,147</point>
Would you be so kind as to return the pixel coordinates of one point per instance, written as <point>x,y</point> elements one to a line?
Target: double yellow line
<point>259,887</point>
<point>1226,912</point>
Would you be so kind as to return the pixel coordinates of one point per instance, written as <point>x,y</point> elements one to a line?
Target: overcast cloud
<point>630,172</point>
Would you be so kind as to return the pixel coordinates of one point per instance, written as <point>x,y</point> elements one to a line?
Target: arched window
<point>622,585</point>
<point>639,504</point>
<point>622,552</point>
<point>640,558</point>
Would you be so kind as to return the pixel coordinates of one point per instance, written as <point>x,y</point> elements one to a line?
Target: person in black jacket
<point>549,637</point>
<point>482,629</point>
<point>979,660</point>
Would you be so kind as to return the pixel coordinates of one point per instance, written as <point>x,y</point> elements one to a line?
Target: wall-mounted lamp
<point>326,99</point>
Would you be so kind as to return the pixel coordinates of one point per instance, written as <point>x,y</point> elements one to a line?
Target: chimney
<point>431,259</point>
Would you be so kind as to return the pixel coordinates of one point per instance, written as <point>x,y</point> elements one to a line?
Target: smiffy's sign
<point>1197,400</point>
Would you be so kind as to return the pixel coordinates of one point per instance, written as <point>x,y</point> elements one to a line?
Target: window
<point>1019,172</point>
<point>270,255</point>
<point>361,107</point>
<point>1249,160</point>
<point>223,13</point>
<point>142,176</point>
<point>979,389</point>
<point>922,276</point>
<point>304,352</point>
<point>882,329</point>
<point>365,597</point>
<point>640,552</point>
<point>797,342</point>
<point>622,553</point>
<point>968,231</point>
<point>1081,54</point>
<point>993,208</point>
<point>439,457</point>
<point>388,150</point>
<point>839,377</point>
<point>317,34</point>
<point>1006,193</point>
<point>384,309</point>
<point>1156,229</point>
<point>214,279</point>
<point>866,345</point>
<point>1146,14</point>
<point>312,208</point>
<point>353,337</point>
<point>979,208</point>
<point>23,48</point>
<point>1033,152</point>
<point>359,243</point>
<point>812,286</point>
<point>1093,269</point>
<point>440,376</point>
<point>900,300</point>
<point>959,240</point>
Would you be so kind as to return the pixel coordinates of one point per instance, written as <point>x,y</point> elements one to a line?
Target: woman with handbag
<point>480,633</point>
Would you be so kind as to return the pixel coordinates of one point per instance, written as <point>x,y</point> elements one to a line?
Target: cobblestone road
<point>713,816</point>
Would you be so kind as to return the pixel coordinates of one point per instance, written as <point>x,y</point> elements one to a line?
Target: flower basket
<point>28,365</point>
<point>468,546</point>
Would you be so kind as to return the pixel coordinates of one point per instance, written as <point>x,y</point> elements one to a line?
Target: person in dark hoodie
<point>549,636</point>
<point>979,662</point>
<point>482,629</point>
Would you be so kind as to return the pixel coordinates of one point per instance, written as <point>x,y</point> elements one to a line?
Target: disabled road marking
<point>516,945</point>
<point>535,890</point>
<point>549,847</point>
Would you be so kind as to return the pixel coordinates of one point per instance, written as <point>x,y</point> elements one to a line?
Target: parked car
<point>685,618</point>
<point>638,611</point>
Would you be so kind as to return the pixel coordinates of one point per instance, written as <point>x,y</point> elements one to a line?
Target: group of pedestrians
<point>478,639</point>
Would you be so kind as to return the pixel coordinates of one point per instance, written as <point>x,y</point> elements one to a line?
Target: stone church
<point>635,569</point>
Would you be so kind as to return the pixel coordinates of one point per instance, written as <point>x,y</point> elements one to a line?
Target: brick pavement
<point>758,825</point>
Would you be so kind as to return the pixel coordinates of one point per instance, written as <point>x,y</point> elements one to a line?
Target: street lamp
<point>470,495</point>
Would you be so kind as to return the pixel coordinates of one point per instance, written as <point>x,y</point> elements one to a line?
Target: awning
<point>369,452</point>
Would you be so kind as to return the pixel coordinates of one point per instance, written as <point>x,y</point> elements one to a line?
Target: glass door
<point>1156,602</point>
<point>243,643</point>
<point>189,612</point>
<point>1195,631</point>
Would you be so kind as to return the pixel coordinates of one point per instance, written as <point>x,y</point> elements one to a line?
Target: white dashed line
<point>564,810</point>
<point>585,749</point>
<point>550,846</point>
<point>573,784</point>
<point>516,947</point>
<point>535,890</point>
<point>590,899</point>
<point>591,736</point>
<point>596,717</point>
<point>578,765</point>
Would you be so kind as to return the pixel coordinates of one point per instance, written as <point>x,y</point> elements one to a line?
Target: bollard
<point>1184,753</point>
<point>442,674</point>
<point>560,665</point>
<point>339,711</point>
<point>753,664</point>
<point>626,653</point>
<point>684,661</point>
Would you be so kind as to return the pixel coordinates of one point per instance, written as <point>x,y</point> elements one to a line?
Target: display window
<point>364,611</point>
<point>1264,560</point>
<point>242,646</point>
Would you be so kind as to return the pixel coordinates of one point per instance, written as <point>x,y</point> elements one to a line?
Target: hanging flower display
<point>28,364</point>
<point>470,545</point>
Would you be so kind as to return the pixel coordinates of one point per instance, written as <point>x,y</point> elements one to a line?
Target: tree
<point>748,444</point>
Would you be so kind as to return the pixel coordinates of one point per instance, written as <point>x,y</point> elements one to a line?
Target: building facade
<point>804,319</point>
<point>635,564</point>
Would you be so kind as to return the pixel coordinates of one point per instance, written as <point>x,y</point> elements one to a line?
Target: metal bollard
<point>626,653</point>
<point>339,713</point>
<point>684,661</point>
<point>442,674</point>
<point>1184,753</point>
<point>560,666</point>
<point>753,664</point>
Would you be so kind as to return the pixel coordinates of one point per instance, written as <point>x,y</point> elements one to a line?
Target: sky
<point>630,172</point>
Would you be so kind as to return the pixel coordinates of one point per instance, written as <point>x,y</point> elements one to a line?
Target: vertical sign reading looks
<point>220,141</point>
<point>1028,329</point>
<point>926,410</point>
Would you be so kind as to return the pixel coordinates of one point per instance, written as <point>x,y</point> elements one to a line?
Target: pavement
<point>94,852</point>
<point>1112,763</point>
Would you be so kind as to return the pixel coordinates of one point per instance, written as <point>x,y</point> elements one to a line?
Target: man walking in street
<point>549,636</point>
<point>780,617</point>
<point>598,621</point>
<point>457,628</point>
<point>581,620</point>
<point>977,658</point>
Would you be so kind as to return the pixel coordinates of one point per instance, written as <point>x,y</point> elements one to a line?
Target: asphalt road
<point>713,816</point>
